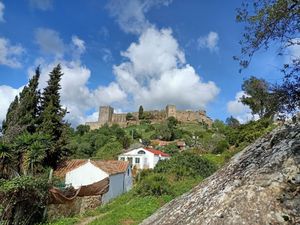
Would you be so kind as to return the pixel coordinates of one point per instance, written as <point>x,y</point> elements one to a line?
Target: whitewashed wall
<point>84,175</point>
<point>116,187</point>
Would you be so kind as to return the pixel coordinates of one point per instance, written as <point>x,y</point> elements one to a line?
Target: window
<point>141,152</point>
<point>122,158</point>
<point>137,160</point>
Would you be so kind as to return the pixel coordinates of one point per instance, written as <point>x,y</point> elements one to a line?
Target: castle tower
<point>171,111</point>
<point>105,114</point>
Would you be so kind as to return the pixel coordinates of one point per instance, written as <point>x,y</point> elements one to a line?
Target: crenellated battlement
<point>107,116</point>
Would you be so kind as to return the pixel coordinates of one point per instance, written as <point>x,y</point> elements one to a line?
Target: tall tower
<point>105,114</point>
<point>171,111</point>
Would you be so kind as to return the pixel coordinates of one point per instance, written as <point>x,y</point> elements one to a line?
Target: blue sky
<point>129,52</point>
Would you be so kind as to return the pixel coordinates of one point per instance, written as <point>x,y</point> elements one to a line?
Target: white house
<point>81,172</point>
<point>143,158</point>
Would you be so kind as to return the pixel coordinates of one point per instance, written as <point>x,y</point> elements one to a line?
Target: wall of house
<point>116,187</point>
<point>84,175</point>
<point>128,179</point>
<point>147,157</point>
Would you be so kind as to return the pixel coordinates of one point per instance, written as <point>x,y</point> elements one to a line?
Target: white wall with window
<point>143,158</point>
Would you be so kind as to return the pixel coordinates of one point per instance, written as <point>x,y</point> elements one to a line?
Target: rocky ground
<point>260,185</point>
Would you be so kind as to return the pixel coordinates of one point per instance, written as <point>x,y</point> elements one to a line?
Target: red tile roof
<point>157,152</point>
<point>111,166</point>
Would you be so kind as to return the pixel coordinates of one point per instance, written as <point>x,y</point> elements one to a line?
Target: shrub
<point>154,184</point>
<point>222,145</point>
<point>23,200</point>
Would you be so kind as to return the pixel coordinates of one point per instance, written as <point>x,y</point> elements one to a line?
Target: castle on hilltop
<point>107,116</point>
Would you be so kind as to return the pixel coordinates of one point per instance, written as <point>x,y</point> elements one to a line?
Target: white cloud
<point>79,44</point>
<point>209,41</point>
<point>75,94</point>
<point>7,95</point>
<point>106,55</point>
<point>237,109</point>
<point>49,41</point>
<point>156,74</point>
<point>130,14</point>
<point>10,54</point>
<point>42,4</point>
<point>293,51</point>
<point>2,7</point>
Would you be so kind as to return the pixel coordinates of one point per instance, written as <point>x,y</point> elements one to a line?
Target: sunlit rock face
<point>260,185</point>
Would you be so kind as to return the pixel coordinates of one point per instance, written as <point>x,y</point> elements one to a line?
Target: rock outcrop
<point>260,185</point>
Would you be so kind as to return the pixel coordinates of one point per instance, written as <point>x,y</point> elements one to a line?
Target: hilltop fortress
<point>107,116</point>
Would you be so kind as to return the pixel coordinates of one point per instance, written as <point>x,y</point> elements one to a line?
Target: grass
<point>130,208</point>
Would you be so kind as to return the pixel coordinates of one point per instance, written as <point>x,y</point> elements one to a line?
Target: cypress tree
<point>141,112</point>
<point>52,122</point>
<point>23,111</point>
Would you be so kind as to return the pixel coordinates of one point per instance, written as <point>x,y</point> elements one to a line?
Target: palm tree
<point>6,161</point>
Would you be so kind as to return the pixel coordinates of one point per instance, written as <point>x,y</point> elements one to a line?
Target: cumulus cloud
<point>209,41</point>
<point>76,96</point>
<point>7,95</point>
<point>130,15</point>
<point>41,4</point>
<point>2,7</point>
<point>156,74</point>
<point>237,109</point>
<point>49,41</point>
<point>10,55</point>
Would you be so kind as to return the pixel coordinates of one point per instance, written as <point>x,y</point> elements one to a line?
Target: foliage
<point>154,185</point>
<point>273,23</point>
<point>129,116</point>
<point>171,149</point>
<point>23,111</point>
<point>23,200</point>
<point>221,147</point>
<point>82,129</point>
<point>232,122</point>
<point>141,112</point>
<point>109,151</point>
<point>186,164</point>
<point>6,161</point>
<point>258,97</point>
<point>52,122</point>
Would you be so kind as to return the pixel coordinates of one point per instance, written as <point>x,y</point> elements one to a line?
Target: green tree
<point>172,122</point>
<point>273,23</point>
<point>141,112</point>
<point>23,111</point>
<point>6,161</point>
<point>258,97</point>
<point>82,129</point>
<point>232,122</point>
<point>129,116</point>
<point>52,123</point>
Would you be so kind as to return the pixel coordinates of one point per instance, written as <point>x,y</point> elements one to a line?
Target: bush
<point>186,165</point>
<point>23,200</point>
<point>154,184</point>
<point>222,145</point>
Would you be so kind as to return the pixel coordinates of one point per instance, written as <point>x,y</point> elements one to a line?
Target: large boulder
<point>260,185</point>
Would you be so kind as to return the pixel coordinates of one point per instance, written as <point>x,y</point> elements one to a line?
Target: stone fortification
<point>107,116</point>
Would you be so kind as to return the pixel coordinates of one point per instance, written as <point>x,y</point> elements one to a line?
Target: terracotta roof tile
<point>157,152</point>
<point>111,166</point>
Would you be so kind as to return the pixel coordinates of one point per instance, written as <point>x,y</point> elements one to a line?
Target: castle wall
<point>106,115</point>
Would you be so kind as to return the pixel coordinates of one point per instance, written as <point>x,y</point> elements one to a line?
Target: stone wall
<point>107,115</point>
<point>78,206</point>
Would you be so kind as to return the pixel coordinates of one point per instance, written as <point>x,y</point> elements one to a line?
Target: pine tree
<point>52,122</point>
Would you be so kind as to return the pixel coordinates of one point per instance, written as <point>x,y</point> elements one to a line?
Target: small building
<point>143,158</point>
<point>82,172</point>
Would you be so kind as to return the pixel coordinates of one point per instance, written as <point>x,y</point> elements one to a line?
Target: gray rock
<point>260,185</point>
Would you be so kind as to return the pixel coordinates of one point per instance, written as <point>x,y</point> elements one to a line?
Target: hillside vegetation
<point>169,179</point>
